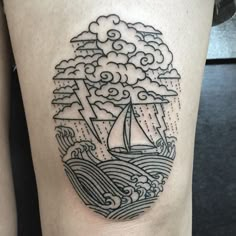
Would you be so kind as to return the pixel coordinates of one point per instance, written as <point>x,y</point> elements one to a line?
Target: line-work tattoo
<point>116,113</point>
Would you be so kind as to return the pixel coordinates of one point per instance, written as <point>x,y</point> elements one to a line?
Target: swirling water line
<point>104,186</point>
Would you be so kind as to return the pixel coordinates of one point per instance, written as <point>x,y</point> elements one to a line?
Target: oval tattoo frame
<point>116,114</point>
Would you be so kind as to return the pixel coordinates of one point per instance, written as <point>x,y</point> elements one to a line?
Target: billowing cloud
<point>114,68</point>
<point>70,112</point>
<point>172,74</point>
<point>67,99</point>
<point>111,30</point>
<point>127,54</point>
<point>125,66</point>
<point>88,59</point>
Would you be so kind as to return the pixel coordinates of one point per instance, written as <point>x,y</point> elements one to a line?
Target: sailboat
<point>127,140</point>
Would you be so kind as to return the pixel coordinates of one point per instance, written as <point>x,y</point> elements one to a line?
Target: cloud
<point>116,35</point>
<point>113,57</point>
<point>102,114</point>
<point>111,29</point>
<point>172,74</point>
<point>89,45</point>
<point>110,25</point>
<point>128,54</point>
<point>68,99</point>
<point>144,28</point>
<point>88,59</point>
<point>77,72</point>
<point>152,57</point>
<point>119,46</point>
<point>120,94</point>
<point>151,97</point>
<point>70,112</point>
<point>65,90</point>
<point>153,38</point>
<point>84,52</point>
<point>86,35</point>
<point>73,112</point>
<point>153,86</point>
<point>114,68</point>
<point>109,107</point>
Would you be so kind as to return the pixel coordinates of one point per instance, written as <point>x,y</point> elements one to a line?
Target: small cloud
<point>153,38</point>
<point>70,112</point>
<point>65,90</point>
<point>88,59</point>
<point>151,97</point>
<point>109,107</point>
<point>140,27</point>
<point>106,27</point>
<point>172,74</point>
<point>102,114</point>
<point>67,99</point>
<point>153,86</point>
<point>90,45</point>
<point>84,36</point>
<point>74,73</point>
<point>121,95</point>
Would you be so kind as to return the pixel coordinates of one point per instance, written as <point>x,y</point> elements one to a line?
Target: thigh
<point>111,93</point>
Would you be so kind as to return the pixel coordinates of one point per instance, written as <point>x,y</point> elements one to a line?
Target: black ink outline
<point>125,75</point>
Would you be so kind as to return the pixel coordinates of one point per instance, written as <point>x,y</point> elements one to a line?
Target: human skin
<point>40,32</point>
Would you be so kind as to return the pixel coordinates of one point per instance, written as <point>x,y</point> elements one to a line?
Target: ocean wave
<point>112,186</point>
<point>116,189</point>
<point>167,149</point>
<point>154,165</point>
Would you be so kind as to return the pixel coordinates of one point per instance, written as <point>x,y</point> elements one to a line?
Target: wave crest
<point>112,185</point>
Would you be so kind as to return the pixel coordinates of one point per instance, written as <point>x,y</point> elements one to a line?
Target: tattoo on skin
<point>116,115</point>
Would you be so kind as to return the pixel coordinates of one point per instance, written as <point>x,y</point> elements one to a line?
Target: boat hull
<point>126,156</point>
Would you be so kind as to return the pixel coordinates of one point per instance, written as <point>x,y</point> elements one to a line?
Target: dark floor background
<point>214,182</point>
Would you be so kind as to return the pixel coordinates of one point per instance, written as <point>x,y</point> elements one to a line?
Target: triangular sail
<point>137,135</point>
<point>116,135</point>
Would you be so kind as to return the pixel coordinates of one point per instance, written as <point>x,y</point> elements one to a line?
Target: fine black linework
<point>116,114</point>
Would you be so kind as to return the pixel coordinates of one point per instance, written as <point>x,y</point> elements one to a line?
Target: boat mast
<point>127,128</point>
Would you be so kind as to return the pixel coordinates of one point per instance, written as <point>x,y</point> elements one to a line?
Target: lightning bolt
<point>86,111</point>
<point>162,125</point>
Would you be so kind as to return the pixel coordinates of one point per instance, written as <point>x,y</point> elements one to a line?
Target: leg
<point>117,76</point>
